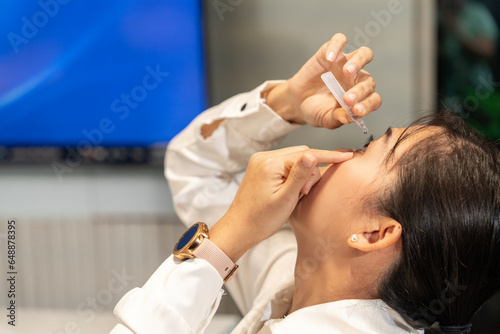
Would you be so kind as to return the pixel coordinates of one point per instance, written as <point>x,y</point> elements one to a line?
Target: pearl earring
<point>354,237</point>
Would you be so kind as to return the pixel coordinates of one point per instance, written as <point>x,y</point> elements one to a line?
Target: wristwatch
<point>195,242</point>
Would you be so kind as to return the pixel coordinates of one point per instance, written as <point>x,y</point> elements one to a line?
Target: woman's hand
<point>273,184</point>
<point>304,98</point>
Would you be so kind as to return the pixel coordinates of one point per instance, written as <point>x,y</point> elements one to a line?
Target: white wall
<point>36,191</point>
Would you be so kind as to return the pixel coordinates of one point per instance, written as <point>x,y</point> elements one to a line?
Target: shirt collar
<point>352,316</point>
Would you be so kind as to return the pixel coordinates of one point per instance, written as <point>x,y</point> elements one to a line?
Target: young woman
<point>391,238</point>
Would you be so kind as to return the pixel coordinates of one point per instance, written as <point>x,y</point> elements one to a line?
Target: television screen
<point>87,74</point>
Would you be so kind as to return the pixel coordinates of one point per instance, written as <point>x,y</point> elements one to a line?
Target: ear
<point>386,234</point>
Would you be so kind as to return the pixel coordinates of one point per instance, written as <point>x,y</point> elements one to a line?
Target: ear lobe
<point>387,235</point>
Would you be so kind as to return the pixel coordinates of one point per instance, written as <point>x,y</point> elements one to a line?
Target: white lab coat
<point>204,175</point>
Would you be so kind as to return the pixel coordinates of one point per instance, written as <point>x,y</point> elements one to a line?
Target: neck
<point>329,280</point>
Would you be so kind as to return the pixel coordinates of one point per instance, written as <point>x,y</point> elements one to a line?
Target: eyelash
<point>367,143</point>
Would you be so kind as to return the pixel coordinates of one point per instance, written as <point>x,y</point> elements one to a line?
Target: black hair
<point>446,196</point>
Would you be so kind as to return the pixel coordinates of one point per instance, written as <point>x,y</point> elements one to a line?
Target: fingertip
<point>335,46</point>
<point>339,38</point>
<point>342,118</point>
<point>306,189</point>
<point>344,156</point>
<point>349,154</point>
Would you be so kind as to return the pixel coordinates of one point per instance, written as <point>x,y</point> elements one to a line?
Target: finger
<point>360,91</point>
<point>335,46</point>
<point>341,115</point>
<point>357,60</point>
<point>334,118</point>
<point>305,173</point>
<point>315,177</point>
<point>329,157</point>
<point>323,169</point>
<point>300,173</point>
<point>284,151</point>
<point>319,116</point>
<point>371,103</point>
<point>342,149</point>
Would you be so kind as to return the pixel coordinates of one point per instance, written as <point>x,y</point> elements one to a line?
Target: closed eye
<point>367,143</point>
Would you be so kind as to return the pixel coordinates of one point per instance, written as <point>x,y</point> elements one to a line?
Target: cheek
<point>332,202</point>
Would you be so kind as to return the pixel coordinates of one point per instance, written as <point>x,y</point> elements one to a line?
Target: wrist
<point>196,243</point>
<point>281,101</point>
<point>232,240</point>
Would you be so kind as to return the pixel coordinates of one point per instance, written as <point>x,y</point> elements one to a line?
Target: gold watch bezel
<point>186,252</point>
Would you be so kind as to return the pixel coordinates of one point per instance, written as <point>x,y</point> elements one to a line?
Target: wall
<point>259,40</point>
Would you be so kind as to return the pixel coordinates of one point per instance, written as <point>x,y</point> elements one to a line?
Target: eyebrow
<point>387,135</point>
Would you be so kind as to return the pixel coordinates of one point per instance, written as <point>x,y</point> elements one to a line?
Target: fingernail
<point>352,98</point>
<point>330,56</point>
<point>306,189</point>
<point>351,69</point>
<point>359,107</point>
<point>307,160</point>
<point>347,155</point>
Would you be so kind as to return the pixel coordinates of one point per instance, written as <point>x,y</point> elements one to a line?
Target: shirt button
<point>243,107</point>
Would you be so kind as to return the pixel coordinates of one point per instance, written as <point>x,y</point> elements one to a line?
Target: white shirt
<point>204,174</point>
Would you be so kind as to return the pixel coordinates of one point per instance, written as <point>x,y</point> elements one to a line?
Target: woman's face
<point>332,207</point>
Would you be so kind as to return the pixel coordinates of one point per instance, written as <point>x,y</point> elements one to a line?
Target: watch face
<point>186,237</point>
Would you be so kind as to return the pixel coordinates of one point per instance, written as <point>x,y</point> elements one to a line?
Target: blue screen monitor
<point>114,73</point>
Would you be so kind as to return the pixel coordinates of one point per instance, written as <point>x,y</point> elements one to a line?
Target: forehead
<point>397,141</point>
<point>407,137</point>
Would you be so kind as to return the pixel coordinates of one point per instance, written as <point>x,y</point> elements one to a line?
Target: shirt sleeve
<point>177,298</point>
<point>205,173</point>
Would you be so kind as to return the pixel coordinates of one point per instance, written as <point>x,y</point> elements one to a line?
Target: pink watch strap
<point>208,251</point>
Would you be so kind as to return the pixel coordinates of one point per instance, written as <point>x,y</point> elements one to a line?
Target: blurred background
<point>91,93</point>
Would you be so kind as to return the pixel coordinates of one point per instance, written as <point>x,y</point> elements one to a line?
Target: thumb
<point>301,172</point>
